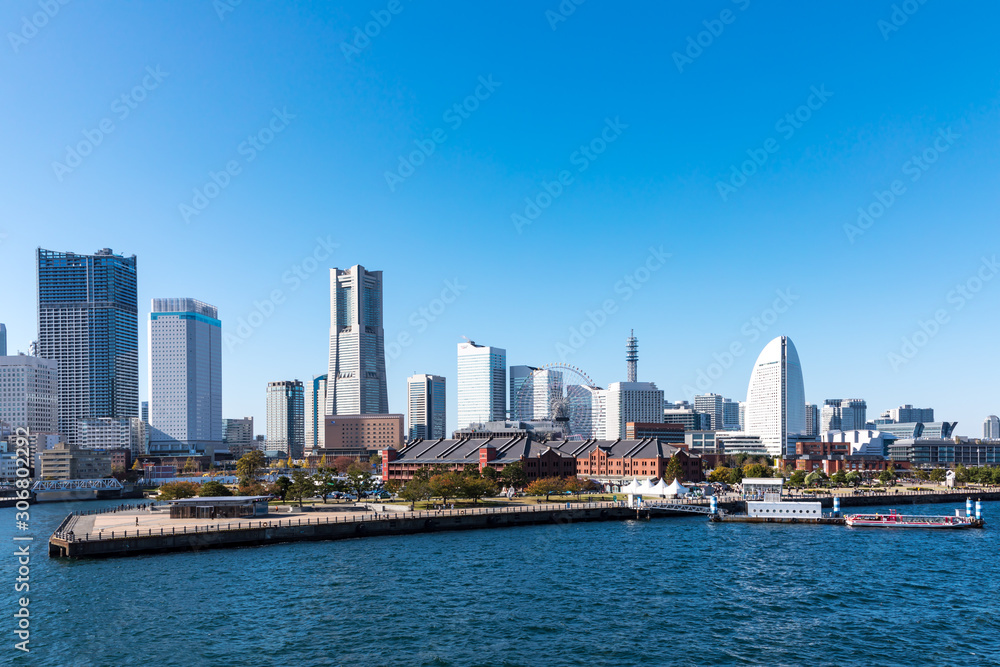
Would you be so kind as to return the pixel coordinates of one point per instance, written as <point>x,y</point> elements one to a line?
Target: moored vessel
<point>896,520</point>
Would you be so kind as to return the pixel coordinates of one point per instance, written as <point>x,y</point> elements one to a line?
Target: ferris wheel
<point>560,393</point>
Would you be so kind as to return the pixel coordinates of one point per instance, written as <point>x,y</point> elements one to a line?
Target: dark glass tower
<point>88,323</point>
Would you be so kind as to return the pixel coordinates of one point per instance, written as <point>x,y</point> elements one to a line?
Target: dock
<point>116,533</point>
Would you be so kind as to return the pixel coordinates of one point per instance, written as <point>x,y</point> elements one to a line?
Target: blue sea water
<point>677,591</point>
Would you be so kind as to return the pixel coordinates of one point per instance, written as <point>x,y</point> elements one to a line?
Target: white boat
<point>895,520</point>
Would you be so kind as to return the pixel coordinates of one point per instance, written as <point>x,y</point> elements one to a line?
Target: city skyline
<point>315,195</point>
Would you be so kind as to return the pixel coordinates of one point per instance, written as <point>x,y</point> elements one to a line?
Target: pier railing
<point>366,517</point>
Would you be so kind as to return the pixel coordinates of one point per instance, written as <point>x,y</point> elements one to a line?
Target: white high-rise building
<point>711,404</point>
<point>107,433</point>
<point>482,384</point>
<point>843,414</point>
<point>730,415</point>
<point>425,397</point>
<point>812,420</point>
<point>518,374</point>
<point>743,415</point>
<point>631,402</point>
<point>315,410</point>
<point>286,418</point>
<point>588,408</point>
<point>541,397</point>
<point>185,378</point>
<point>355,382</point>
<point>991,428</point>
<point>776,402</point>
<point>29,391</point>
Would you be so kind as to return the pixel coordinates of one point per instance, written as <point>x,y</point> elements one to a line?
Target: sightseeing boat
<point>895,520</point>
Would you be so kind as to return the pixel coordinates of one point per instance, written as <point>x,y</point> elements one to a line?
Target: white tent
<point>675,489</point>
<point>660,489</point>
<point>632,487</point>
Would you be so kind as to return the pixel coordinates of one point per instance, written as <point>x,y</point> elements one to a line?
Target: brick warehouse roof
<point>513,448</point>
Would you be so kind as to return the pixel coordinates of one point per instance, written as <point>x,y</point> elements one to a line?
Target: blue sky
<point>641,138</point>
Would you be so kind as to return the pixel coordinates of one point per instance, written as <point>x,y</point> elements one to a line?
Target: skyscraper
<point>518,374</point>
<point>315,401</point>
<point>991,428</point>
<point>711,404</point>
<point>356,376</point>
<point>88,323</point>
<point>237,436</point>
<point>906,414</point>
<point>3,339</point>
<point>185,377</point>
<point>730,415</point>
<point>28,393</point>
<point>631,402</point>
<point>482,384</point>
<point>843,414</point>
<point>776,398</point>
<point>812,420</point>
<point>286,418</point>
<point>425,407</point>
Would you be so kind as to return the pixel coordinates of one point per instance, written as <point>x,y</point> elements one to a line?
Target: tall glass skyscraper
<point>776,403</point>
<point>482,384</point>
<point>3,340</point>
<point>425,399</point>
<point>88,323</point>
<point>185,378</point>
<point>315,426</point>
<point>356,375</point>
<point>518,374</point>
<point>285,418</point>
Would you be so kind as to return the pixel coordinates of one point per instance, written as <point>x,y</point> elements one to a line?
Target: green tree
<point>938,474</point>
<point>853,478</point>
<point>546,486</point>
<point>962,474</point>
<point>720,475</point>
<point>798,478</point>
<point>326,483</point>
<point>839,478</point>
<point>214,489</point>
<point>816,478</point>
<point>358,479</point>
<point>674,470</point>
<point>887,476</point>
<point>446,485</point>
<point>470,470</point>
<point>922,475</point>
<point>491,474</point>
<point>735,475</point>
<point>190,466</point>
<point>475,488</point>
<point>756,470</point>
<point>177,490</point>
<point>393,486</point>
<point>302,486</point>
<point>415,490</point>
<point>513,475</point>
<point>250,465</point>
<point>281,486</point>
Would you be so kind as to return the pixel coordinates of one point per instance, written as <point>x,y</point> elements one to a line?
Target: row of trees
<point>727,475</point>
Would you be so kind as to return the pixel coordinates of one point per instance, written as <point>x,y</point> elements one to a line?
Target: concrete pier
<point>138,532</point>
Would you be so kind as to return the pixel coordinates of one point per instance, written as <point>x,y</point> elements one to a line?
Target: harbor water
<point>671,591</point>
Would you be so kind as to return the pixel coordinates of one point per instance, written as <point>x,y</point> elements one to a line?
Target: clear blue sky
<point>676,128</point>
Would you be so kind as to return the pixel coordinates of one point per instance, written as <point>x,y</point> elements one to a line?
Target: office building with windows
<point>185,378</point>
<point>29,389</point>
<point>991,428</point>
<point>711,404</point>
<point>812,420</point>
<point>237,436</point>
<point>631,402</point>
<point>843,414</point>
<point>776,401</point>
<point>88,323</point>
<point>356,380</point>
<point>425,407</point>
<point>285,418</point>
<point>518,375</point>
<point>482,384</point>
<point>315,409</point>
